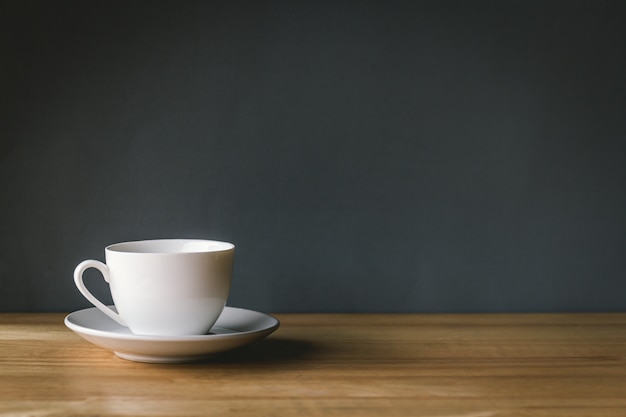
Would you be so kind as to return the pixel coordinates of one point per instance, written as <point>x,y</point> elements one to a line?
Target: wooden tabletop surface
<point>334,365</point>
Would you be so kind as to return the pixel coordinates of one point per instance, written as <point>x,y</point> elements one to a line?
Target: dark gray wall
<point>366,156</point>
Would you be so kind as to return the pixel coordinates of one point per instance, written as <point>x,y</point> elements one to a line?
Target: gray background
<point>365,156</point>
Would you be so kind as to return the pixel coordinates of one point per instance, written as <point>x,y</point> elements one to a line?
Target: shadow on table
<point>273,350</point>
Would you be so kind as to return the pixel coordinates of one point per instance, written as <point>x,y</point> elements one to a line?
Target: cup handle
<point>78,279</point>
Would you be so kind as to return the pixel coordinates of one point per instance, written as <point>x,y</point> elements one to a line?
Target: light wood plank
<point>327,365</point>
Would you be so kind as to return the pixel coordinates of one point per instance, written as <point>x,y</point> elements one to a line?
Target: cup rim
<point>159,246</point>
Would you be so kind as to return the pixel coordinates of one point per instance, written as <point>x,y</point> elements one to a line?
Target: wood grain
<point>334,365</point>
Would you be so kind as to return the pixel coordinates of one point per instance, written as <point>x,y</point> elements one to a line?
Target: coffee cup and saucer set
<point>169,300</point>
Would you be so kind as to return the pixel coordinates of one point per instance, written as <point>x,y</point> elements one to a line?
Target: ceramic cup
<point>168,287</point>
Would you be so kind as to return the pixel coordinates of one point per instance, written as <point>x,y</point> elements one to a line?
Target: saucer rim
<point>183,338</point>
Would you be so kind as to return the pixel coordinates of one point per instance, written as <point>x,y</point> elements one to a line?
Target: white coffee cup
<point>167,287</point>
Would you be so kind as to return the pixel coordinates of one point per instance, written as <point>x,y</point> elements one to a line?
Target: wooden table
<point>334,365</point>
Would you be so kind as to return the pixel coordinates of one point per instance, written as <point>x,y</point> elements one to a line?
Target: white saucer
<point>234,328</point>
